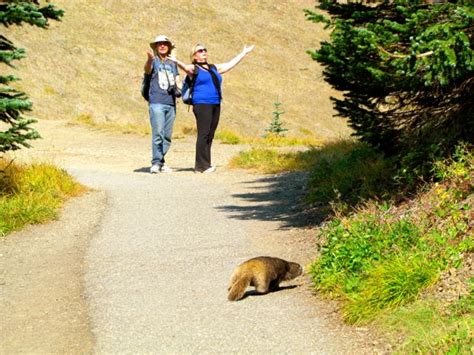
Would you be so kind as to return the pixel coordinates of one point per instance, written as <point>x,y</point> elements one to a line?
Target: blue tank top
<point>204,91</point>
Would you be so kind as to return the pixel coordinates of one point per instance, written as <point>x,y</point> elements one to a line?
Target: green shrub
<point>276,125</point>
<point>228,137</point>
<point>428,328</point>
<point>349,171</point>
<point>270,161</point>
<point>353,247</point>
<point>391,283</point>
<point>382,255</point>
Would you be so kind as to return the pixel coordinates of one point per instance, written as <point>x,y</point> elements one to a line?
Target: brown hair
<point>170,47</point>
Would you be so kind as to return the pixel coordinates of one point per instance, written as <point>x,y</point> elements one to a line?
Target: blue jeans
<point>161,120</point>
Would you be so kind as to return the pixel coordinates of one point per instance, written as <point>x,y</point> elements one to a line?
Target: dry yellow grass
<point>92,63</point>
<point>32,194</point>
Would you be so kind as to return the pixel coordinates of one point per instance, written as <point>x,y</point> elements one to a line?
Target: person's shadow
<point>146,169</point>
<point>142,170</point>
<point>183,169</point>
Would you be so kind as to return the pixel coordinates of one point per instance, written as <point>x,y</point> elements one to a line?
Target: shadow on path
<point>252,293</point>
<point>146,169</point>
<point>142,170</point>
<point>275,198</point>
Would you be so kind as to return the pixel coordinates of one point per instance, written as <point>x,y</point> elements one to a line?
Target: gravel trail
<point>156,267</point>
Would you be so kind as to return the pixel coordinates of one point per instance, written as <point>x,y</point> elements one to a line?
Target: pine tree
<point>13,103</point>
<point>276,126</point>
<point>405,68</point>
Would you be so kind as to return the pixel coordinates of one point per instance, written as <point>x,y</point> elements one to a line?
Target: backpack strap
<point>145,90</point>
<point>176,72</point>
<point>169,84</point>
<point>193,80</point>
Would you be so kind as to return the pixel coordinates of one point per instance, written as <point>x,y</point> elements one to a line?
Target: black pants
<point>207,118</point>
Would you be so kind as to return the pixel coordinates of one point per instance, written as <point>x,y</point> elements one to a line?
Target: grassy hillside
<point>90,65</point>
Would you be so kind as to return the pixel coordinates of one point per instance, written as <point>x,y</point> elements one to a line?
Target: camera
<point>174,91</point>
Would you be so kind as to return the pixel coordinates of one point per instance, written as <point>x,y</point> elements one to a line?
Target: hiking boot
<point>155,168</point>
<point>166,169</point>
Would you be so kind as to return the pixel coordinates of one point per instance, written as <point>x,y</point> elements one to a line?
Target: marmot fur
<point>263,272</point>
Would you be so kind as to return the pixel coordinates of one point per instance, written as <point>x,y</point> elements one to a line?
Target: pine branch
<point>393,55</point>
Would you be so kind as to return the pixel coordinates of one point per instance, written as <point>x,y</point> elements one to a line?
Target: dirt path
<point>142,264</point>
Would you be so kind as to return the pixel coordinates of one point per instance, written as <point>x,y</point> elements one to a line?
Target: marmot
<point>263,272</point>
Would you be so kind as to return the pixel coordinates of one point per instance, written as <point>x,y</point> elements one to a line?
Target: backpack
<point>145,89</point>
<point>188,85</point>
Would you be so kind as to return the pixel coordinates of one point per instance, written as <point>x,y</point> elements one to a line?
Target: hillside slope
<point>91,63</point>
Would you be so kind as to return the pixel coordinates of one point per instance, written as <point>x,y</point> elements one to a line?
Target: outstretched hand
<point>150,55</point>
<point>248,49</point>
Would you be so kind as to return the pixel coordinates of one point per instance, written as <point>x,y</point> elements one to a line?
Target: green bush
<point>228,137</point>
<point>353,247</point>
<point>383,255</point>
<point>428,327</point>
<point>270,161</point>
<point>350,172</point>
<point>391,283</point>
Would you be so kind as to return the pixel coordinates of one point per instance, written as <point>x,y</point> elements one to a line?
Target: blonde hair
<point>193,51</point>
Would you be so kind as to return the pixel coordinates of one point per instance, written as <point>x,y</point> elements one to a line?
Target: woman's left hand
<point>248,49</point>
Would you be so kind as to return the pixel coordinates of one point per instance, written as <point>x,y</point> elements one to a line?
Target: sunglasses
<point>202,50</point>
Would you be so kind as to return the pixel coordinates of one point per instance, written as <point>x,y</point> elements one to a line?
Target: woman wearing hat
<point>206,99</point>
<point>162,100</point>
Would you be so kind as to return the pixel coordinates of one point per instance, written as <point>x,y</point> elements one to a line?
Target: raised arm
<point>188,68</point>
<point>149,62</point>
<point>225,67</point>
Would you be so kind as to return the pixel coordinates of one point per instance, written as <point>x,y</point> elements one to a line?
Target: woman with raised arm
<point>206,99</point>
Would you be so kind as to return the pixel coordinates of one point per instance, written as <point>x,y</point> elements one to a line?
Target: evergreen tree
<point>276,126</point>
<point>13,103</point>
<point>405,68</point>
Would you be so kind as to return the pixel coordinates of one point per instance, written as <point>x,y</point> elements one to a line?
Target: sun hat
<point>161,38</point>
